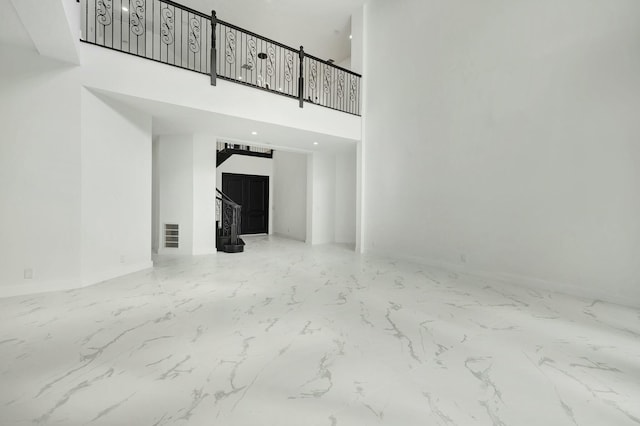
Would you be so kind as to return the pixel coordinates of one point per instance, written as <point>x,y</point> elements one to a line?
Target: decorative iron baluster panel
<point>271,60</point>
<point>288,69</point>
<point>230,47</point>
<point>251,53</point>
<point>328,85</point>
<point>105,12</point>
<point>353,91</point>
<point>313,76</point>
<point>153,29</point>
<point>341,78</point>
<point>194,35</point>
<point>137,18</point>
<point>227,218</point>
<point>256,61</point>
<point>167,32</point>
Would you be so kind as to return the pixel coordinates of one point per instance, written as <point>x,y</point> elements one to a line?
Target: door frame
<point>267,193</point>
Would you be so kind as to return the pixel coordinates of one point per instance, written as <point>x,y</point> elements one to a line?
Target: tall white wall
<point>243,164</point>
<point>176,189</point>
<point>509,144</point>
<point>155,196</point>
<point>76,180</point>
<point>345,198</point>
<point>321,183</point>
<point>39,173</point>
<point>204,194</point>
<point>290,195</point>
<point>357,39</point>
<point>115,189</point>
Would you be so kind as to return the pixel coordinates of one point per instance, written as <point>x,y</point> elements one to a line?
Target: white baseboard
<point>27,288</point>
<point>95,278</point>
<point>618,298</point>
<point>35,287</point>
<point>203,252</point>
<point>287,237</point>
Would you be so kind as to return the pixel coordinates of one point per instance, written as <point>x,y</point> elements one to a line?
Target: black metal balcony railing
<point>167,32</point>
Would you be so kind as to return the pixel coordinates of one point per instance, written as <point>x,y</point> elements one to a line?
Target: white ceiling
<point>12,32</point>
<point>169,119</point>
<point>321,26</point>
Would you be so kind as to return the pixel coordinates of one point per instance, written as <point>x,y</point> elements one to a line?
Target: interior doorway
<point>252,193</point>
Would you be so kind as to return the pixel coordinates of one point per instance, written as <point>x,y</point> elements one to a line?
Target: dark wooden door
<point>252,193</point>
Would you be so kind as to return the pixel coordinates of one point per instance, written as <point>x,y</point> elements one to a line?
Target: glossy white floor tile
<point>286,334</point>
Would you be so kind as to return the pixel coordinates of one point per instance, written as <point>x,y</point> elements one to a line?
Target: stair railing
<point>168,32</point>
<point>230,217</point>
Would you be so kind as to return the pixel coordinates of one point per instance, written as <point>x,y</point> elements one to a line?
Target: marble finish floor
<point>287,334</point>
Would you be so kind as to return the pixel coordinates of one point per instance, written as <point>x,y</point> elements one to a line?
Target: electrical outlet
<point>122,260</point>
<point>463,258</point>
<point>28,274</point>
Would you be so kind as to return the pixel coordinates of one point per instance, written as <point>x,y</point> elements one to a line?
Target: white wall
<point>357,38</point>
<point>331,197</point>
<point>185,182</point>
<point>345,198</point>
<point>176,189</point>
<point>115,189</point>
<point>75,177</point>
<point>321,183</point>
<point>204,194</point>
<point>39,173</point>
<point>290,195</point>
<point>243,164</point>
<point>155,196</point>
<point>510,143</point>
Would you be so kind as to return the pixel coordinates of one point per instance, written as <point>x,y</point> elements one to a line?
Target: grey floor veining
<point>287,334</point>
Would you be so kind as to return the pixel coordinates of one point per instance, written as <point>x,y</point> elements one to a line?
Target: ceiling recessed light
<point>350,37</point>
<point>125,9</point>
<point>315,143</point>
<point>254,133</point>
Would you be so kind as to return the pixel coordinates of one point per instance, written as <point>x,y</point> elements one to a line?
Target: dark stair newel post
<point>214,24</point>
<point>301,79</point>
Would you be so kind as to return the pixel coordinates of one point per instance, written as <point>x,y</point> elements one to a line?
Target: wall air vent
<point>171,235</point>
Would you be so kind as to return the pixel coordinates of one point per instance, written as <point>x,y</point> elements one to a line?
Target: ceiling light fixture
<point>254,133</point>
<point>315,143</point>
<point>350,37</point>
<point>125,9</point>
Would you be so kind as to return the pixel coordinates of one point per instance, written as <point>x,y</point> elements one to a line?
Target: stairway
<point>226,150</point>
<point>228,225</point>
<point>223,243</point>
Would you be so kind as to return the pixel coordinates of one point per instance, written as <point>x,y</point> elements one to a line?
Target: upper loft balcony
<point>173,34</point>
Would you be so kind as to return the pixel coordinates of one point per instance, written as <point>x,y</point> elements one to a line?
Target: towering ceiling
<point>12,32</point>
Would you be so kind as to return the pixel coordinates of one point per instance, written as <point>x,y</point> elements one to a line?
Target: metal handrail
<point>168,32</point>
<point>251,33</point>
<point>235,224</point>
<point>331,64</point>
<point>225,197</point>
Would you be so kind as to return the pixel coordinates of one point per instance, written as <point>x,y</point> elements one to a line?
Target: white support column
<point>204,194</point>
<point>321,181</point>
